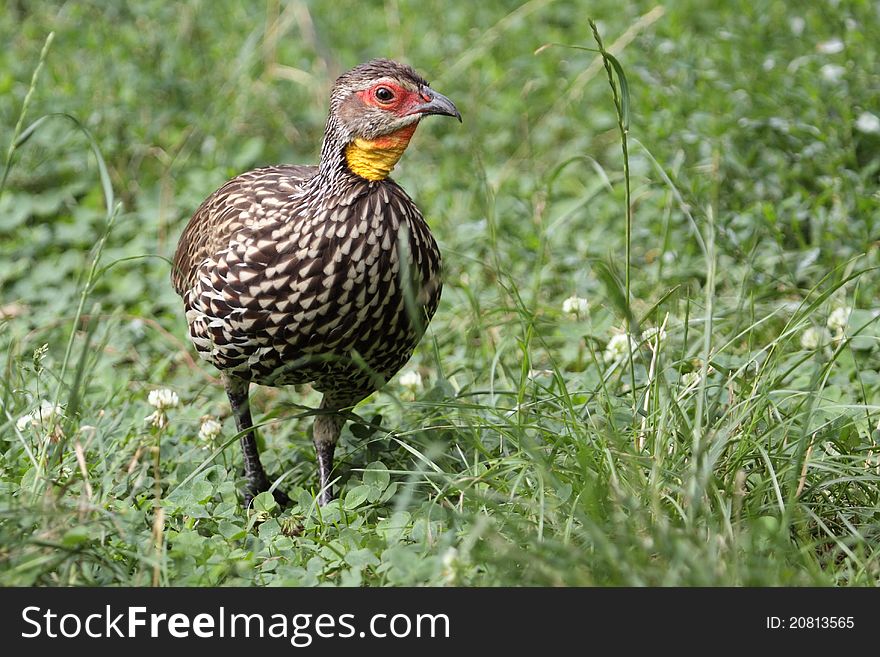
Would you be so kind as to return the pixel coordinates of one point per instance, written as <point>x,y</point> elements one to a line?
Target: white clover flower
<point>47,412</point>
<point>832,72</point>
<point>651,334</point>
<point>689,379</point>
<point>666,46</point>
<point>616,348</point>
<point>575,305</point>
<point>39,417</point>
<point>137,327</point>
<point>797,25</point>
<point>157,419</point>
<point>43,418</point>
<point>23,422</point>
<point>163,398</point>
<point>539,373</point>
<point>830,47</point>
<point>449,560</point>
<point>868,123</point>
<point>814,337</point>
<point>838,319</point>
<point>411,379</point>
<point>209,430</point>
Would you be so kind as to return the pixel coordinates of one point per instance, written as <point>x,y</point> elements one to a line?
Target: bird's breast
<point>363,277</point>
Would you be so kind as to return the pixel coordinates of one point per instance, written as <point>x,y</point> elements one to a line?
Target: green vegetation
<point>737,446</point>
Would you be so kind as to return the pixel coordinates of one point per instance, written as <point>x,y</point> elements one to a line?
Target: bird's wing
<point>242,202</point>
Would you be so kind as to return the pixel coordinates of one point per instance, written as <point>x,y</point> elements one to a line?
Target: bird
<point>323,274</point>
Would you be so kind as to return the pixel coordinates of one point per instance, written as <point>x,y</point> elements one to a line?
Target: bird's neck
<point>374,159</point>
<point>344,157</point>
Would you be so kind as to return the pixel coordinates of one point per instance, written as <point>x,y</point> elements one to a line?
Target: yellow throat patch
<point>374,159</point>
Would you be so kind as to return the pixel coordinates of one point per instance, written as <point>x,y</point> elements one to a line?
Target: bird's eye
<point>384,95</point>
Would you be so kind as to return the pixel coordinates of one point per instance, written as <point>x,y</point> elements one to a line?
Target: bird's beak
<point>436,103</point>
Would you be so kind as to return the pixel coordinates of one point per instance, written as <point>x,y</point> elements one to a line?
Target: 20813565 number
<point>820,622</point>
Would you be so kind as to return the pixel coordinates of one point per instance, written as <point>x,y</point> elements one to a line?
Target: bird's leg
<point>326,432</point>
<point>257,482</point>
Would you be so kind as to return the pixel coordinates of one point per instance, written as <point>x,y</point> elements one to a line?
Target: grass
<point>735,442</point>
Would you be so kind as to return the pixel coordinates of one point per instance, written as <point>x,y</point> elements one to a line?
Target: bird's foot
<point>281,498</point>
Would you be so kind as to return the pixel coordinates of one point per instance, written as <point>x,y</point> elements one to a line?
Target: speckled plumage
<point>313,274</point>
<point>293,281</point>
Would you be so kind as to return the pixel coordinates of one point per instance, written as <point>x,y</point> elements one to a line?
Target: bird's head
<point>377,107</point>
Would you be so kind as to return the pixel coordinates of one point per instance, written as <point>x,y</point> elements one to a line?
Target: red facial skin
<point>404,103</point>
